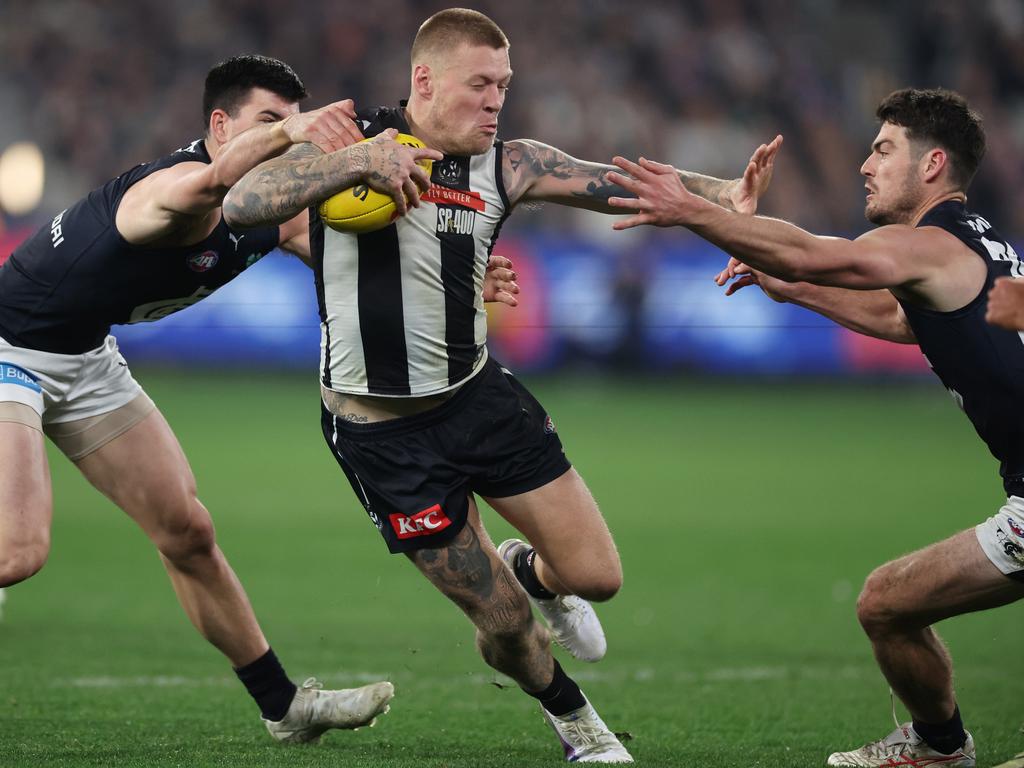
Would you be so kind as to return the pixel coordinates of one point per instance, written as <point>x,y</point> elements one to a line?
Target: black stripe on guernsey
<point>381,314</point>
<point>455,224</point>
<point>316,250</point>
<point>499,182</point>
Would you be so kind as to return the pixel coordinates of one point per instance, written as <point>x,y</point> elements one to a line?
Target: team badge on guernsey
<point>201,262</point>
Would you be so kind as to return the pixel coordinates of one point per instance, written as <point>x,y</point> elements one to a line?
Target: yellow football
<point>361,209</point>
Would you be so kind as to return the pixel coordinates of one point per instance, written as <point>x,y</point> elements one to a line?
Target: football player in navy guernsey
<point>146,244</point>
<point>922,277</point>
<point>417,414</point>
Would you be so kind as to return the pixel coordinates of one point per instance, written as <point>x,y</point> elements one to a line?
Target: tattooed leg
<point>472,575</point>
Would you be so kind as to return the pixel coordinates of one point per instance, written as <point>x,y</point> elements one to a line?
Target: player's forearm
<point>247,150</point>
<point>872,313</point>
<point>771,245</point>
<point>280,189</point>
<point>544,173</point>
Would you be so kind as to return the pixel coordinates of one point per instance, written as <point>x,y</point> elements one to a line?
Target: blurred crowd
<point>102,85</point>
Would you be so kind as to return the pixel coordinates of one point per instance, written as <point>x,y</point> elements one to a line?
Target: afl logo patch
<point>201,262</point>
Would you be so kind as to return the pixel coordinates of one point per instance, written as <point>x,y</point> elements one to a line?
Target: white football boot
<point>1017,761</point>
<point>585,738</point>
<point>314,710</point>
<point>904,747</point>
<point>573,622</point>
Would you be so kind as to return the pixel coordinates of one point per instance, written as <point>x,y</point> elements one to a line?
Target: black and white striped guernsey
<point>401,311</point>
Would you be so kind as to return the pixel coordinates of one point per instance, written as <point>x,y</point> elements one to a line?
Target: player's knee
<point>23,560</point>
<point>876,611</point>
<point>188,533</point>
<point>596,586</point>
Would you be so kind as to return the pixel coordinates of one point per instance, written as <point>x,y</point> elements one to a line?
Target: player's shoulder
<point>378,119</point>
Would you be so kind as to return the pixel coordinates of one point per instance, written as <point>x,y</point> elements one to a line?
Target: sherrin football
<point>360,209</point>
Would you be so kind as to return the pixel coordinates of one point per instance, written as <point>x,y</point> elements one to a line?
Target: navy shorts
<point>414,474</point>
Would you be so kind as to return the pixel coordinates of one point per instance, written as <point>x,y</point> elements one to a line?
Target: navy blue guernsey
<point>982,366</point>
<point>62,289</point>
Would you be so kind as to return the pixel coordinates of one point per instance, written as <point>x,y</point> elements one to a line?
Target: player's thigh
<point>469,572</point>
<point>144,471</point>
<point>26,500</point>
<point>946,579</point>
<point>563,523</point>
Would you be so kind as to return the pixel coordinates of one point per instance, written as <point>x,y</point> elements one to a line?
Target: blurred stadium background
<point>754,461</point>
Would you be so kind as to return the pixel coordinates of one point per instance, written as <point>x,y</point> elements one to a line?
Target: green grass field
<point>747,518</point>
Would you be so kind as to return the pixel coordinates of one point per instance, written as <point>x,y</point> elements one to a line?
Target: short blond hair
<point>447,29</point>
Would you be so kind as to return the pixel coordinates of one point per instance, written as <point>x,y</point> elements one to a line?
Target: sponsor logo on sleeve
<point>431,520</point>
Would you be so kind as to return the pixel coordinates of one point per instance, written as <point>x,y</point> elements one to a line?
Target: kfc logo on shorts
<point>1015,527</point>
<point>201,262</point>
<point>430,520</point>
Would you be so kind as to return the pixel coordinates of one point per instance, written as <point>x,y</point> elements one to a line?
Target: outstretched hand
<point>743,275</point>
<point>660,199</point>
<point>500,281</point>
<point>330,128</point>
<point>756,177</point>
<point>397,170</point>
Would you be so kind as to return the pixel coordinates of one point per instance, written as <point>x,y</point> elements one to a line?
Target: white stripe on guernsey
<point>423,302</point>
<point>341,302</point>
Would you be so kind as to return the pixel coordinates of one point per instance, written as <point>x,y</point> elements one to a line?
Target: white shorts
<point>1002,538</point>
<point>71,394</point>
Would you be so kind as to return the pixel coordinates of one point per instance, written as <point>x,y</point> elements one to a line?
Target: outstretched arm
<point>872,313</point>
<point>164,200</point>
<point>892,256</point>
<point>538,172</point>
<point>281,188</point>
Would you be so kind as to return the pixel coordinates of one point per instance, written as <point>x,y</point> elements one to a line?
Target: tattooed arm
<point>536,171</point>
<point>281,188</point>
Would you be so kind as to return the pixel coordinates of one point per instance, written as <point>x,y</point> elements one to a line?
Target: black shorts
<point>414,474</point>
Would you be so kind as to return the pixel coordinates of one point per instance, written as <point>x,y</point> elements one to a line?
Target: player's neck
<point>934,200</point>
<point>417,116</point>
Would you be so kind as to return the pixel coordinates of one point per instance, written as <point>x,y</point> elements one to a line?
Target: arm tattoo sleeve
<point>279,189</point>
<point>541,172</point>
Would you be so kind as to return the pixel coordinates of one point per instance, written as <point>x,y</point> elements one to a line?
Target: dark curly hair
<point>228,84</point>
<point>939,117</point>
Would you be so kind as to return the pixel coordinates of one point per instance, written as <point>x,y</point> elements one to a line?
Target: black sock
<point>946,737</point>
<point>562,696</point>
<point>522,567</point>
<point>268,685</point>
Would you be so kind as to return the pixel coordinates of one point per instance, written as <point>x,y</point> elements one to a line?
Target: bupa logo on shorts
<point>201,262</point>
<point>12,374</point>
<point>1015,527</point>
<point>430,520</point>
<point>549,426</point>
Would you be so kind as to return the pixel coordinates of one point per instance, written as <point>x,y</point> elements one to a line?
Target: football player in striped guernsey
<point>418,415</point>
<point>144,245</point>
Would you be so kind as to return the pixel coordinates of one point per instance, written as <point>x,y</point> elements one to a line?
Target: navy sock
<point>562,696</point>
<point>946,737</point>
<point>268,685</point>
<point>522,567</point>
